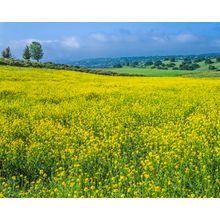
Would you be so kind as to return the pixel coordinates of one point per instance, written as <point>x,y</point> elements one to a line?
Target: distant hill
<point>110,62</point>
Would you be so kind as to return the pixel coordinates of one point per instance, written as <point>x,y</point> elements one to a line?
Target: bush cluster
<point>189,66</point>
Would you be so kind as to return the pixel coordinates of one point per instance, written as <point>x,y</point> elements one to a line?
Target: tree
<point>148,63</point>
<point>26,53</point>
<point>117,65</point>
<point>158,63</point>
<point>189,66</point>
<point>36,51</point>
<point>187,60</point>
<point>6,53</point>
<point>208,61</point>
<point>218,58</point>
<point>199,59</point>
<point>172,59</point>
<point>171,64</point>
<point>211,67</point>
<point>134,64</point>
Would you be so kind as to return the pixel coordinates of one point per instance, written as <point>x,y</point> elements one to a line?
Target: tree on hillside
<point>36,51</point>
<point>6,53</point>
<point>187,60</point>
<point>208,61</point>
<point>199,59</point>
<point>134,64</point>
<point>172,59</point>
<point>26,53</point>
<point>218,58</point>
<point>158,63</point>
<point>211,67</point>
<point>148,63</point>
<point>118,65</point>
<point>171,64</point>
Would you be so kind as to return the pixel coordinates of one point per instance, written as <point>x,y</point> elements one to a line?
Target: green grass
<point>148,72</point>
<point>203,71</point>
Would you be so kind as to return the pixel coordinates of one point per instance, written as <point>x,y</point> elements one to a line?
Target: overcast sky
<point>74,41</point>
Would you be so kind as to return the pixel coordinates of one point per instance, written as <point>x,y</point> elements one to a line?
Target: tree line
<point>186,63</point>
<point>33,51</point>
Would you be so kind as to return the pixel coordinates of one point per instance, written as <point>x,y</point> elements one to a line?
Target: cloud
<point>99,37</point>
<point>124,36</point>
<point>22,43</point>
<point>120,37</point>
<point>171,39</point>
<point>185,38</point>
<point>70,43</point>
<point>159,39</point>
<point>28,41</point>
<point>216,42</point>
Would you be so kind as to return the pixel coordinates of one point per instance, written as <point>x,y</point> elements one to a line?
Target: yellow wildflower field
<point>71,134</point>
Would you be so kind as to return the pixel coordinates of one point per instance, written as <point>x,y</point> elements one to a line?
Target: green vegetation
<point>147,71</point>
<point>168,73</point>
<point>192,66</point>
<point>51,65</point>
<point>6,53</point>
<point>26,53</point>
<point>36,51</point>
<point>142,61</point>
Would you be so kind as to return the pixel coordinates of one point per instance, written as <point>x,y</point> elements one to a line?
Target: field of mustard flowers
<point>70,134</point>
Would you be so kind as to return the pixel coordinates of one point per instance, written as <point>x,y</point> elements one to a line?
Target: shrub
<point>189,66</point>
<point>148,63</point>
<point>171,64</point>
<point>208,61</point>
<point>211,67</point>
<point>158,63</point>
<point>117,65</point>
<point>218,58</point>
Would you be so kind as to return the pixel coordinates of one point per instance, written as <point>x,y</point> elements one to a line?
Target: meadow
<point>202,71</point>
<point>71,134</point>
<point>148,71</point>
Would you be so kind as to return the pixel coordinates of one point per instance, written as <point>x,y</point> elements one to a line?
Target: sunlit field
<point>201,72</point>
<point>70,134</point>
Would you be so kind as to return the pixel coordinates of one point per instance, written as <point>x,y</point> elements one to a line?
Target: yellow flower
<point>62,173</point>
<point>122,195</point>
<point>146,176</point>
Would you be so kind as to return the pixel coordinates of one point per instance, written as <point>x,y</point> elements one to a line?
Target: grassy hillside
<point>71,134</point>
<point>203,71</point>
<point>148,72</point>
